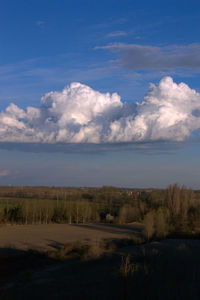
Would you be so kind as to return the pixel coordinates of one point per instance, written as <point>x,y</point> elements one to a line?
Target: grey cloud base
<point>140,57</point>
<point>78,114</point>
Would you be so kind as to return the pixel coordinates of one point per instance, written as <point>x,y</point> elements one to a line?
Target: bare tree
<point>149,225</point>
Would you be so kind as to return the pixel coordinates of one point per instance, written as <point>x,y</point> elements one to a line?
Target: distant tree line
<point>31,211</point>
<point>162,211</point>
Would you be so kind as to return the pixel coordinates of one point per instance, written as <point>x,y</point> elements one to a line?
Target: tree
<point>161,226</point>
<point>173,199</point>
<point>149,225</point>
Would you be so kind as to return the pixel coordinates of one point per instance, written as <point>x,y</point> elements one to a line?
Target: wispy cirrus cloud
<point>25,81</point>
<point>39,23</point>
<point>117,33</point>
<point>4,173</point>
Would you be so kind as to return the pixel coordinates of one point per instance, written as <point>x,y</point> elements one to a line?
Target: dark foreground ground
<point>91,269</point>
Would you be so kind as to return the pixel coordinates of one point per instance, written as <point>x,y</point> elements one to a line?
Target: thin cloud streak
<point>153,148</point>
<point>117,34</point>
<point>4,173</point>
<point>140,57</point>
<point>40,23</point>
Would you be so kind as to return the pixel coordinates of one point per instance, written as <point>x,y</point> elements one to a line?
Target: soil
<point>46,237</point>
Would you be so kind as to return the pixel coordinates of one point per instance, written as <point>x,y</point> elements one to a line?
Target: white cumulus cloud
<point>79,114</point>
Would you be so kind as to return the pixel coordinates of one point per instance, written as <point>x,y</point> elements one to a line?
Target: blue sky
<point>110,46</point>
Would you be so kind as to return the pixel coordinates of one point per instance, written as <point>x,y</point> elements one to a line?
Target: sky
<point>99,93</point>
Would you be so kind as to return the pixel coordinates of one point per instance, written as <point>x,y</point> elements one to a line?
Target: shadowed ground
<point>167,270</point>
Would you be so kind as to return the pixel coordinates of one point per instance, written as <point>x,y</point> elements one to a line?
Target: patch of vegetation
<point>175,210</point>
<point>77,250</point>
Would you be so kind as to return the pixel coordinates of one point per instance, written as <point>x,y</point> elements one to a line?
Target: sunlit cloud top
<point>79,114</point>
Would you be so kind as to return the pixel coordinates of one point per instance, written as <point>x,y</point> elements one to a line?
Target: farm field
<point>105,243</point>
<point>47,236</point>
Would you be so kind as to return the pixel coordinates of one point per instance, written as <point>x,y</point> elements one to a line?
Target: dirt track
<point>46,237</point>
